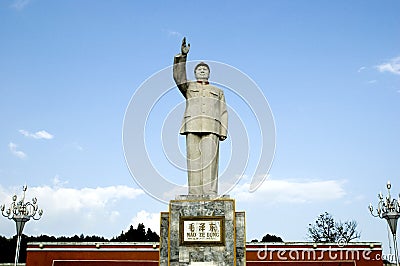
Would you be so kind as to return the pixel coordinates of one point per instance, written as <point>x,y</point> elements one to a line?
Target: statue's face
<point>202,73</point>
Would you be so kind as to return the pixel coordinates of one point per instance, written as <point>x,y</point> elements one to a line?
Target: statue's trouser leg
<point>194,163</point>
<point>209,152</point>
<point>202,162</point>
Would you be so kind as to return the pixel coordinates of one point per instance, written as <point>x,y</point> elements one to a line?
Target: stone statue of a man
<point>204,123</point>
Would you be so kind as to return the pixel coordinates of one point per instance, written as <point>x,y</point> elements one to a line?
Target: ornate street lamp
<point>21,212</point>
<point>389,209</point>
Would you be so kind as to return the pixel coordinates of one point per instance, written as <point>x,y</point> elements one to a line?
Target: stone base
<point>202,230</point>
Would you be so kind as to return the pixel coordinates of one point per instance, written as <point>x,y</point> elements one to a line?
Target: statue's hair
<point>201,64</point>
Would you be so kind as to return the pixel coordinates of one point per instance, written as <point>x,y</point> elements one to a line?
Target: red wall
<point>63,254</point>
<point>147,254</point>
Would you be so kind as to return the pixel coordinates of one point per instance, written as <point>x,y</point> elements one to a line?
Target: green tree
<point>137,235</point>
<point>326,229</point>
<point>271,238</point>
<point>152,236</point>
<point>7,249</point>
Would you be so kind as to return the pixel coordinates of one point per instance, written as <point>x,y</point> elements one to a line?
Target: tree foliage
<point>137,235</point>
<point>326,229</point>
<point>7,245</point>
<point>268,238</point>
<point>271,238</point>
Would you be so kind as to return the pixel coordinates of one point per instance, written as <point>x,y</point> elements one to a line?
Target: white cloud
<point>69,211</point>
<point>60,199</point>
<point>173,33</point>
<point>149,220</point>
<point>361,69</point>
<point>393,66</point>
<point>57,182</point>
<point>42,134</point>
<point>291,191</point>
<point>14,151</point>
<point>19,4</point>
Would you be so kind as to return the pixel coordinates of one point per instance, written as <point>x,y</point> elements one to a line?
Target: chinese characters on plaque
<point>201,230</point>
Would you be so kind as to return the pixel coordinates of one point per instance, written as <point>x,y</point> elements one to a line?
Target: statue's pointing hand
<point>184,48</point>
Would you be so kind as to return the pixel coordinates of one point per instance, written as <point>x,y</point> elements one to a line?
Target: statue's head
<point>202,71</point>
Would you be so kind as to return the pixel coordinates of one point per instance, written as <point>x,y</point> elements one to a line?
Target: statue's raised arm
<point>180,67</point>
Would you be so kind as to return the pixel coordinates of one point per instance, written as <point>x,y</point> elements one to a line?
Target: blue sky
<point>330,71</point>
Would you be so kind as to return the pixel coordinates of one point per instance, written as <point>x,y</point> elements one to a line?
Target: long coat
<point>205,104</point>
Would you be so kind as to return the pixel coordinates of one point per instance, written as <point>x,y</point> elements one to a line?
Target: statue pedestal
<point>202,230</point>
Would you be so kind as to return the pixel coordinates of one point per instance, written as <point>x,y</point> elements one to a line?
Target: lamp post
<point>389,209</point>
<point>21,212</point>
